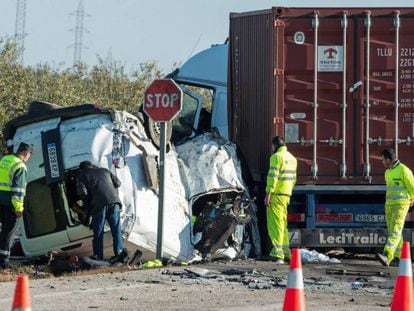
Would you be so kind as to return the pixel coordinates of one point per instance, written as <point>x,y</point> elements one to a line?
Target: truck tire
<point>153,131</point>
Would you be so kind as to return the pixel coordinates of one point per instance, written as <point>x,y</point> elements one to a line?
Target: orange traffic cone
<point>21,300</point>
<point>295,292</point>
<point>403,291</point>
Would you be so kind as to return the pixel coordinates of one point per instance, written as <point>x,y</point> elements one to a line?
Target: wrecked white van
<point>63,137</point>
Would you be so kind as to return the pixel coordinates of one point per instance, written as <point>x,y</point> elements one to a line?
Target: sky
<point>136,31</point>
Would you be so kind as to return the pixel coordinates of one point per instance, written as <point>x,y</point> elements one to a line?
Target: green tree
<point>107,84</point>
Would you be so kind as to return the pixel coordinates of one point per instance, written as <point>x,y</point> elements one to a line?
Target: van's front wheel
<point>153,130</point>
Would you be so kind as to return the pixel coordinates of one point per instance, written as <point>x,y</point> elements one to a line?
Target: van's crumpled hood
<point>209,162</point>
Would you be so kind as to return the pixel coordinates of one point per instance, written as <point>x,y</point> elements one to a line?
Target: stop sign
<point>163,100</point>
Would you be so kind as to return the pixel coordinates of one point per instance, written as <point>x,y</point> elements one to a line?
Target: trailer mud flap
<point>364,237</point>
<point>52,156</point>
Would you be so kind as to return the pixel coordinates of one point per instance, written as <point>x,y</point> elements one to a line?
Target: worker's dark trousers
<point>8,228</point>
<point>111,213</point>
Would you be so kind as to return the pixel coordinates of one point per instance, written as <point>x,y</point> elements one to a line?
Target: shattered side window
<point>205,94</point>
<point>39,218</point>
<point>196,114</point>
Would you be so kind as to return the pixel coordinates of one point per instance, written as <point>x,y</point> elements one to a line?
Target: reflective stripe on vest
<point>14,167</point>
<point>397,196</point>
<point>18,190</point>
<point>395,188</point>
<point>282,172</point>
<point>287,178</point>
<point>398,182</point>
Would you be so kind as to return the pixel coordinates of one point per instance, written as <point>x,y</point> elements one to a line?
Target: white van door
<point>43,225</point>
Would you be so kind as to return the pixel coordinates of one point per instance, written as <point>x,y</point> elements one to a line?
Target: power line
<point>79,30</point>
<point>19,31</point>
<point>195,45</point>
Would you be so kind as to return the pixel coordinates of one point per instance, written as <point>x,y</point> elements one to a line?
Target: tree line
<point>107,84</point>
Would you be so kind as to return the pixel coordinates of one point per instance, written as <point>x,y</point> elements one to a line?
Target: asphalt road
<point>241,285</point>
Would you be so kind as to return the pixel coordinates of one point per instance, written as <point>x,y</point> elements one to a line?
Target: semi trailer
<point>338,84</point>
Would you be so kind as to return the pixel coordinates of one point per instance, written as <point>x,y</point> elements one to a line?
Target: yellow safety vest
<point>281,177</point>
<point>400,184</point>
<point>9,164</point>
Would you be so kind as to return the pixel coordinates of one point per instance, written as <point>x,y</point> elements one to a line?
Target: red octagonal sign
<point>163,100</point>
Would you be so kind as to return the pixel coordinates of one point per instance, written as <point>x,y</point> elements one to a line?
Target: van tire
<point>153,130</point>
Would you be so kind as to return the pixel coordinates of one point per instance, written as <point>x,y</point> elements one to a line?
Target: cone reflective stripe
<point>403,292</point>
<point>295,279</point>
<point>404,268</point>
<point>21,300</point>
<point>295,292</point>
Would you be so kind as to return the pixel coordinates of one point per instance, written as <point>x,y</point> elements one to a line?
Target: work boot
<point>383,259</point>
<point>122,257</point>
<point>279,262</point>
<point>95,257</point>
<point>136,258</point>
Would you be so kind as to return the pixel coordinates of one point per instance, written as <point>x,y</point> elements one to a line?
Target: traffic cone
<point>21,300</point>
<point>295,292</point>
<point>402,299</point>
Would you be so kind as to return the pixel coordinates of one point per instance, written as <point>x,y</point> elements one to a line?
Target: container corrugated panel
<point>254,99</point>
<point>344,68</point>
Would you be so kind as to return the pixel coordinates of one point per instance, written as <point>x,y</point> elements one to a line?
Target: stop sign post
<point>162,103</point>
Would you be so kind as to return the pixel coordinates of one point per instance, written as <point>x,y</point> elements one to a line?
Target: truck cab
<point>203,79</point>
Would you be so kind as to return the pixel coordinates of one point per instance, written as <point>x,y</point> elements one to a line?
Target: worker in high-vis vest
<point>13,174</point>
<point>281,179</point>
<point>399,181</point>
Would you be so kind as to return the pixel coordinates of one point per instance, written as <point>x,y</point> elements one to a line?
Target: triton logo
<point>330,58</point>
<point>331,53</point>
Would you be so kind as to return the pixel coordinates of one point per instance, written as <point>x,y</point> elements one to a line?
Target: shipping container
<point>337,83</point>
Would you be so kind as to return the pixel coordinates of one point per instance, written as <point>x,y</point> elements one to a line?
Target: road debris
<point>316,281</point>
<point>315,257</point>
<point>203,273</point>
<point>357,272</point>
<point>357,285</point>
<point>259,285</point>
